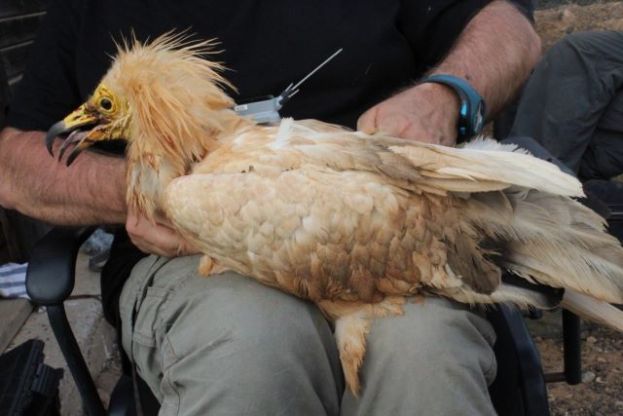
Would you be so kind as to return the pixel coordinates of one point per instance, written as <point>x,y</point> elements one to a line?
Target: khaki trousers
<point>227,345</point>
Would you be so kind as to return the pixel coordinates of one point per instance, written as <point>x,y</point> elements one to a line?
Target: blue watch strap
<point>472,106</point>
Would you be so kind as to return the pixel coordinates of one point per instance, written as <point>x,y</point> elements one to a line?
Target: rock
<point>566,16</point>
<point>588,376</point>
<point>567,21</point>
<point>591,340</point>
<point>600,380</point>
<point>619,403</point>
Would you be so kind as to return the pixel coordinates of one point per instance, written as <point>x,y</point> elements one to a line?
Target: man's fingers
<point>148,248</point>
<point>156,238</point>
<point>396,125</point>
<point>425,113</point>
<point>388,119</point>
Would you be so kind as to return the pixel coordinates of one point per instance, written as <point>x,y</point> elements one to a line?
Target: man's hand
<point>156,238</point>
<point>495,54</point>
<point>426,113</point>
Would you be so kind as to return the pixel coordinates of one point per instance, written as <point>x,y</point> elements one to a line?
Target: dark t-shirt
<point>266,46</point>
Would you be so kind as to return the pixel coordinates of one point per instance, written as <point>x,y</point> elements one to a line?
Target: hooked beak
<point>73,124</point>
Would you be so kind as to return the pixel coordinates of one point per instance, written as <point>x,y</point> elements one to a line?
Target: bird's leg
<point>209,267</point>
<point>350,333</point>
<point>352,325</point>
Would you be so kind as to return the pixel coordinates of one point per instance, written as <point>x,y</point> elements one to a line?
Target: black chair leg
<point>573,348</point>
<point>75,360</point>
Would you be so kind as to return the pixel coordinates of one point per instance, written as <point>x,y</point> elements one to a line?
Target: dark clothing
<point>573,104</point>
<point>387,45</point>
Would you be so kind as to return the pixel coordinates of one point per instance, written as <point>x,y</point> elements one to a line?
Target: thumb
<point>367,121</point>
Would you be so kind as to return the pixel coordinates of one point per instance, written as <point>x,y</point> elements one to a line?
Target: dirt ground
<point>554,22</point>
<point>601,393</point>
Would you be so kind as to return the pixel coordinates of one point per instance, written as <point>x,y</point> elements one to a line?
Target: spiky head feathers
<point>171,92</point>
<point>161,95</point>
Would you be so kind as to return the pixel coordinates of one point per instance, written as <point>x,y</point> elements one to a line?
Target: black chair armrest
<point>49,281</point>
<point>51,270</point>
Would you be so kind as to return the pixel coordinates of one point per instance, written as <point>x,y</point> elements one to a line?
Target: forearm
<point>495,53</point>
<point>91,191</point>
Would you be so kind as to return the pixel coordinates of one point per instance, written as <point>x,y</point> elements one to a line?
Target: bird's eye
<point>106,104</point>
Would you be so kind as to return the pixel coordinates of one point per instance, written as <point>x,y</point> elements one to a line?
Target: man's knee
<point>251,321</point>
<point>223,338</point>
<point>436,335</point>
<point>594,48</point>
<point>441,351</point>
<point>227,344</point>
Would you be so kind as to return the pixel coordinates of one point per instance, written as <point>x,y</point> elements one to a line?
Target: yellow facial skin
<point>107,114</point>
<point>105,109</point>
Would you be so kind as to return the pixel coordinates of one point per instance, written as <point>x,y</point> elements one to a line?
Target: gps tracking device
<point>265,110</point>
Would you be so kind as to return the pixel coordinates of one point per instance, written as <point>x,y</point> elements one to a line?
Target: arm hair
<point>90,191</point>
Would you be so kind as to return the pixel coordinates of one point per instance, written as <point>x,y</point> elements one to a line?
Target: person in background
<point>573,104</point>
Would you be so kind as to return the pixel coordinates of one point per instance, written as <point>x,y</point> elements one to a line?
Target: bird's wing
<point>316,233</point>
<point>480,166</point>
<point>481,194</point>
<point>485,165</point>
<point>306,197</point>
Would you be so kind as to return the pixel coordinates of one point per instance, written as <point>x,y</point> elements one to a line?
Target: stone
<point>566,15</point>
<point>588,376</point>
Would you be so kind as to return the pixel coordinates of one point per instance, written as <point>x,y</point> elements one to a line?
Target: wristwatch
<point>472,108</point>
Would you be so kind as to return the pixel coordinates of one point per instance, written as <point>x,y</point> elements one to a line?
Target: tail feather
<point>563,244</point>
<point>524,205</point>
<point>593,310</point>
<point>552,240</point>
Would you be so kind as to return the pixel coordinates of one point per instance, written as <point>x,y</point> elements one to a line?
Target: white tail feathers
<point>550,239</point>
<point>593,310</point>
<point>558,242</point>
<point>541,233</point>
